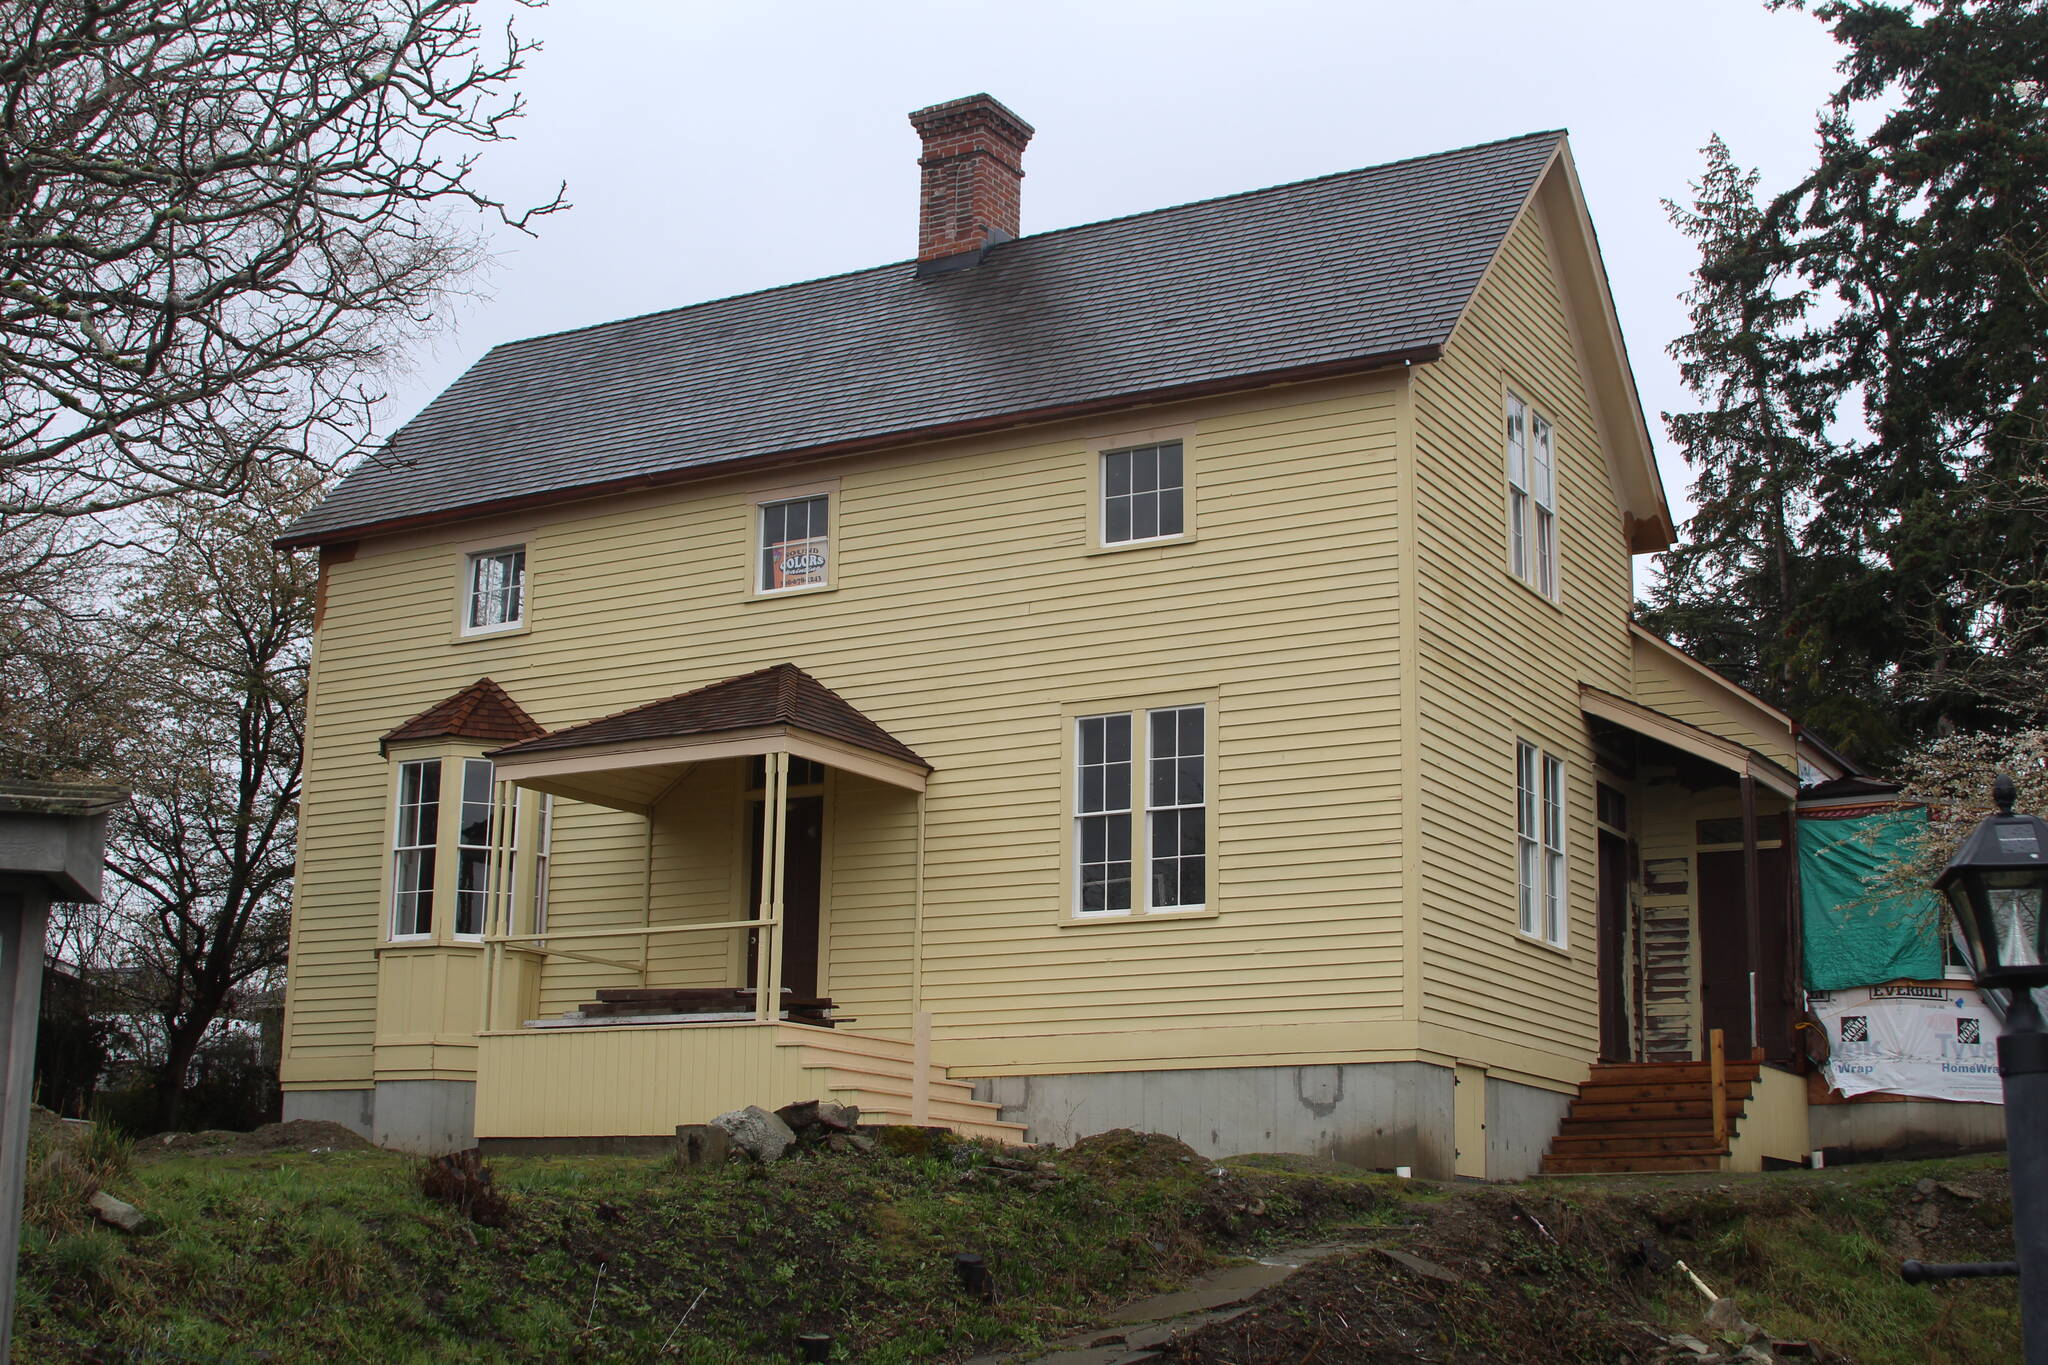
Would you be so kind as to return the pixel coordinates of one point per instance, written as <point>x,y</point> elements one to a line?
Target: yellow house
<point>1175,672</point>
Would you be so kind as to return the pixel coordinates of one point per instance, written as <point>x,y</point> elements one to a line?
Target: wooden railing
<point>1717,1084</point>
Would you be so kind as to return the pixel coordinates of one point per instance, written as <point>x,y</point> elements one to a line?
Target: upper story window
<point>1532,497</point>
<point>495,596</point>
<point>1144,494</point>
<point>795,544</point>
<point>1539,844</point>
<point>1160,863</point>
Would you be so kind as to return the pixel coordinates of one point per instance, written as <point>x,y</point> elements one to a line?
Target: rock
<point>116,1214</point>
<point>756,1132</point>
<point>1928,1215</point>
<point>1693,1344</point>
<point>1924,1185</point>
<point>1723,1315</point>
<point>799,1116</point>
<point>860,1142</point>
<point>840,1118</point>
<point>1428,1269</point>
<point>701,1144</point>
<point>1963,1192</point>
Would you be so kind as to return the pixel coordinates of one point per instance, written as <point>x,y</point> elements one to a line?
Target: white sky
<point>714,149</point>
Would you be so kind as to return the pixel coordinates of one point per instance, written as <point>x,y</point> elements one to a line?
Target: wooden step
<point>1654,1073</point>
<point>1701,1108</point>
<point>1572,1127</point>
<point>1662,1143</point>
<point>841,1043</point>
<point>1632,1094</point>
<point>967,1111</point>
<point>885,1081</point>
<point>999,1129</point>
<point>1628,1163</point>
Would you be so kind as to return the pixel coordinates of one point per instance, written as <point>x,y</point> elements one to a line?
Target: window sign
<point>795,544</point>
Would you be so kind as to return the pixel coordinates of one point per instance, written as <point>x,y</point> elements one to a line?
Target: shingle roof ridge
<point>1030,237</point>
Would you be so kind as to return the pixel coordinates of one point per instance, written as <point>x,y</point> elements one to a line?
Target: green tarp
<point>1855,933</point>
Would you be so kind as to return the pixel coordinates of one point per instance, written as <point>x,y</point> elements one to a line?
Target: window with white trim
<point>1532,497</point>
<point>474,833</point>
<point>1169,746</point>
<point>413,843</point>
<point>1539,844</point>
<point>543,854</point>
<point>1144,494</point>
<point>795,543</point>
<point>495,596</point>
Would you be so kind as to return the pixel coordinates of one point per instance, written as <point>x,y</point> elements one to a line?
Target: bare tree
<point>216,218</point>
<point>202,855</point>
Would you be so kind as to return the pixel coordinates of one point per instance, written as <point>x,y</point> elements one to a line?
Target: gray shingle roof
<point>1365,265</point>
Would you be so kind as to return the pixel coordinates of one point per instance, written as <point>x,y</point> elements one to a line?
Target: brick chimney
<point>968,201</point>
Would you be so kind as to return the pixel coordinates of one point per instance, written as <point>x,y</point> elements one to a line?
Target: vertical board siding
<point>967,612</point>
<point>1498,662</point>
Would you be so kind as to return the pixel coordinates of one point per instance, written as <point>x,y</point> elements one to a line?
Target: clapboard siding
<point>969,611</point>
<point>1496,662</point>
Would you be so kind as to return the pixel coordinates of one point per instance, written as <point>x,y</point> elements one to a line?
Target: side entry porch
<point>1698,943</point>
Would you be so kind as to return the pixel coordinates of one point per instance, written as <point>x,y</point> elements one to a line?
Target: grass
<point>337,1256</point>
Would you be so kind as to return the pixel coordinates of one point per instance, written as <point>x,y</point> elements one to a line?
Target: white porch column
<point>768,937</point>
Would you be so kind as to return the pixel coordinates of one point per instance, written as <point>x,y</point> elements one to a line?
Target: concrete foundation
<point>427,1117</point>
<point>1520,1122</point>
<point>352,1109</point>
<point>1905,1128</point>
<point>1374,1116</point>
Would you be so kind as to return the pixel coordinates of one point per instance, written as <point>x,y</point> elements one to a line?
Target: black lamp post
<point>1997,885</point>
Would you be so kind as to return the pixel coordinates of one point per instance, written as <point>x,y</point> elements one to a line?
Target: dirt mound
<point>297,1135</point>
<point>1139,1154</point>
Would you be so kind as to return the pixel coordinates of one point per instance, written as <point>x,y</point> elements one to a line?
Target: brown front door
<point>802,856</point>
<point>1725,967</point>
<point>1615,1044</point>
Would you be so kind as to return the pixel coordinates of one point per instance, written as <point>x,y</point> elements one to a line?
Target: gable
<point>1556,207</point>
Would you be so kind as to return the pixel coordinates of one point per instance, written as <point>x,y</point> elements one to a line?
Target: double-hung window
<point>1532,497</point>
<point>1144,494</point>
<point>473,840</point>
<point>1124,863</point>
<point>494,596</point>
<point>413,843</point>
<point>1539,844</point>
<point>795,546</point>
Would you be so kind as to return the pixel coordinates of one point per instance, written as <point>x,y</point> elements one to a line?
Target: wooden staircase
<point>1651,1116</point>
<point>878,1074</point>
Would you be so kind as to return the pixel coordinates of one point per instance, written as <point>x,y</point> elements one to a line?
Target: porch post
<point>768,937</point>
<point>1752,903</point>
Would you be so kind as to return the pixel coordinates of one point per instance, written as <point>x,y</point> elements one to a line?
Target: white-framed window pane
<point>1102,804</point>
<point>1542,471</point>
<point>1553,850</point>
<point>473,839</point>
<point>1176,828</point>
<point>1518,532</point>
<point>497,588</point>
<point>796,549</point>
<point>412,867</point>
<point>1545,576</point>
<point>543,856</point>
<point>1525,885</point>
<point>1518,446</point>
<point>1528,823</point>
<point>1144,494</point>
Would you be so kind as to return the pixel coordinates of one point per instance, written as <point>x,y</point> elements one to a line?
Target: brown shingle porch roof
<point>483,710</point>
<point>781,695</point>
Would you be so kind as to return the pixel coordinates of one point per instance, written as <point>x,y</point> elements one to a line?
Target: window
<point>795,544</point>
<point>473,847</point>
<point>543,853</point>
<point>1172,844</point>
<point>1532,498</point>
<point>496,595</point>
<point>1539,844</point>
<point>1144,494</point>
<point>412,871</point>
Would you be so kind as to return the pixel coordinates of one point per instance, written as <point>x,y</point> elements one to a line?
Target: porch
<point>1698,943</point>
<point>779,835</point>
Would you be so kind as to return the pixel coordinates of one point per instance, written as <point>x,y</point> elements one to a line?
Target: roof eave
<point>1413,355</point>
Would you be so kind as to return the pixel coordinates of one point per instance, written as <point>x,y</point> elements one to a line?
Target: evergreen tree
<point>1871,546</point>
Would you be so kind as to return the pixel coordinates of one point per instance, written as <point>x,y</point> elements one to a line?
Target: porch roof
<point>628,759</point>
<point>1726,753</point>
